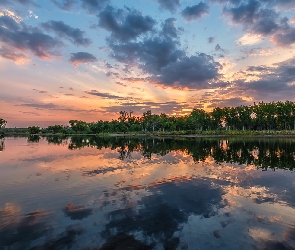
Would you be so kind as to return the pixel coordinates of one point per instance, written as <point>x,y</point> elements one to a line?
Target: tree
<point>34,130</point>
<point>79,126</point>
<point>286,115</point>
<point>2,123</point>
<point>126,120</point>
<point>55,129</point>
<point>245,117</point>
<point>198,120</point>
<point>123,116</point>
<point>217,118</point>
<point>146,120</point>
<point>163,121</point>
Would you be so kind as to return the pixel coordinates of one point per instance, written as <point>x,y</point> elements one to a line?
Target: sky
<point>90,59</point>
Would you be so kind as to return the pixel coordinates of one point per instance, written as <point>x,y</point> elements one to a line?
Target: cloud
<point>169,201</point>
<point>280,4</point>
<point>244,13</point>
<point>110,73</point>
<point>24,38</point>
<point>256,52</point>
<point>156,107</point>
<point>160,56</point>
<point>109,66</point>
<point>250,39</point>
<point>105,95</point>
<point>266,83</point>
<point>75,35</point>
<point>30,113</point>
<point>15,2</point>
<point>218,48</point>
<point>32,14</point>
<point>271,83</point>
<point>193,72</point>
<point>266,22</point>
<point>82,57</point>
<point>11,14</point>
<point>77,212</point>
<point>233,2</point>
<point>121,84</point>
<point>54,107</point>
<point>260,68</point>
<point>125,25</point>
<point>92,6</point>
<point>286,38</point>
<point>293,20</point>
<point>168,28</point>
<point>230,102</point>
<point>151,54</point>
<point>40,105</point>
<point>41,91</point>
<point>211,39</point>
<point>260,19</point>
<point>170,5</point>
<point>195,12</point>
<point>17,57</point>
<point>254,18</point>
<point>134,79</point>
<point>26,2</point>
<point>64,4</point>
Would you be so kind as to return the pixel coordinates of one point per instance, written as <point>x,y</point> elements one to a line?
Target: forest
<point>273,116</point>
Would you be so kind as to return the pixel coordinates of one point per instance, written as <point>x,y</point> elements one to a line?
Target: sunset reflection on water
<point>89,193</point>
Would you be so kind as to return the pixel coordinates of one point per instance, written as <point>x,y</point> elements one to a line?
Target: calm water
<point>95,193</point>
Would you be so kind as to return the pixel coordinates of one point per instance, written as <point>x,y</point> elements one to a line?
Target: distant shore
<point>254,135</point>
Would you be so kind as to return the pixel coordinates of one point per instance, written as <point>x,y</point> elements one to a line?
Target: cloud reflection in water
<point>148,193</point>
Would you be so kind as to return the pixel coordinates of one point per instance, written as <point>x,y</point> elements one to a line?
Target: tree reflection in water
<point>1,143</point>
<point>132,197</point>
<point>263,153</point>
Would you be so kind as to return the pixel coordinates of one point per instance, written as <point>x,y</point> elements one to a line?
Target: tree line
<point>257,117</point>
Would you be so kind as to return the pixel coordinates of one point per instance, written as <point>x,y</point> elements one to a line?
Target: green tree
<point>34,130</point>
<point>245,120</point>
<point>95,127</point>
<point>217,118</point>
<point>198,120</point>
<point>79,126</point>
<point>2,124</point>
<point>126,120</point>
<point>56,129</point>
<point>146,120</point>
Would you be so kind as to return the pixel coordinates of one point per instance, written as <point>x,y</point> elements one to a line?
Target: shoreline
<point>155,135</point>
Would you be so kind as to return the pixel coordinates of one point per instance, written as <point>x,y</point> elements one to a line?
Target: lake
<point>145,193</point>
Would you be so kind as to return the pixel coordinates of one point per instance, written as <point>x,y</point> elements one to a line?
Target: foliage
<point>259,118</point>
<point>34,130</point>
<point>2,124</point>
<point>56,129</point>
<point>79,126</point>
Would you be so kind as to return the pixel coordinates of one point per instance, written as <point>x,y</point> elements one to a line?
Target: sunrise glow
<point>88,60</point>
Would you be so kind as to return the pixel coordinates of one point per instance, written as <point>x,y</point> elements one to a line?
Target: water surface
<point>140,193</point>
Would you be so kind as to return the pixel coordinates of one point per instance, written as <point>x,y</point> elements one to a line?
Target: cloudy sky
<point>90,59</point>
